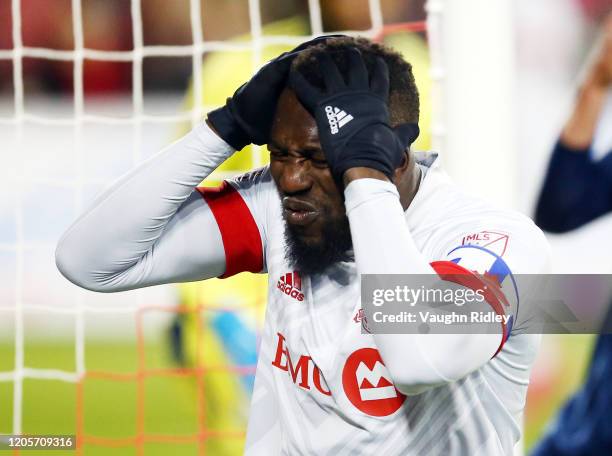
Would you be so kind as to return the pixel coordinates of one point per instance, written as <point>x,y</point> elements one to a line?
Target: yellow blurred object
<point>226,400</point>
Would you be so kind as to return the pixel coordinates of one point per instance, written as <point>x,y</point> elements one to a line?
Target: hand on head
<point>247,116</point>
<point>353,115</point>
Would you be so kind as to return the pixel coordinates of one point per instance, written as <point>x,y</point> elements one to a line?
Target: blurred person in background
<point>595,9</point>
<point>45,24</point>
<point>578,189</point>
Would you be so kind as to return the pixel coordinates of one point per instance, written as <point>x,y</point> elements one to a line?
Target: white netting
<point>80,183</point>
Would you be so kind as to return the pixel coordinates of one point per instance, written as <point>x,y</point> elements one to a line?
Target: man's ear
<point>401,169</point>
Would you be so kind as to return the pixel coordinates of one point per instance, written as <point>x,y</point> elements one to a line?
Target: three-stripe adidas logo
<point>337,118</point>
<point>291,284</point>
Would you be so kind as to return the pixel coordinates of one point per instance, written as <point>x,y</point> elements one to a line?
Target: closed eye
<point>277,154</point>
<point>315,156</point>
<point>319,162</point>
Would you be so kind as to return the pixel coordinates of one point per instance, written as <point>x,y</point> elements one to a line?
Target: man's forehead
<point>293,121</point>
<point>289,107</point>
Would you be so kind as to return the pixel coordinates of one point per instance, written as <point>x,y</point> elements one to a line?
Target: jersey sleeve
<point>240,208</point>
<point>384,244</point>
<point>150,227</point>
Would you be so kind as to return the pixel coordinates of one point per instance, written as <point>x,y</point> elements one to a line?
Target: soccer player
<point>577,190</point>
<point>343,195</point>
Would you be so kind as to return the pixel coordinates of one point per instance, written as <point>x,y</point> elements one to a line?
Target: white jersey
<point>321,386</point>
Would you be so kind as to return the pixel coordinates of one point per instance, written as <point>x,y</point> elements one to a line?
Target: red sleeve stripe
<point>239,232</point>
<point>452,272</point>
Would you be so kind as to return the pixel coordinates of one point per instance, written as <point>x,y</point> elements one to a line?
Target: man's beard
<point>334,246</point>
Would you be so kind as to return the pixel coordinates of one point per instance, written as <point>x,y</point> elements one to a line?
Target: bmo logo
<point>368,385</point>
<point>299,370</point>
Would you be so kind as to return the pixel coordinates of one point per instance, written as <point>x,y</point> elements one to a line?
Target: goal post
<point>472,46</point>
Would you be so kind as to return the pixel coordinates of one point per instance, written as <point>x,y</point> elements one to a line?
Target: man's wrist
<point>223,123</point>
<point>212,127</point>
<point>362,172</point>
<point>207,138</point>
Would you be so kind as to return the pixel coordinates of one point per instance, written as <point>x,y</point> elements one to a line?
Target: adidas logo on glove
<point>337,118</point>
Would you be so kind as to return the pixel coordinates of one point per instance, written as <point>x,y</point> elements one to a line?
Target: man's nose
<point>295,177</point>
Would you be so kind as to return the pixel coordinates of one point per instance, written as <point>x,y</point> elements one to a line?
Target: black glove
<point>353,117</point>
<point>247,116</point>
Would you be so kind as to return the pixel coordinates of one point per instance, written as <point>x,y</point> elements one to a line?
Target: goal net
<point>151,371</point>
